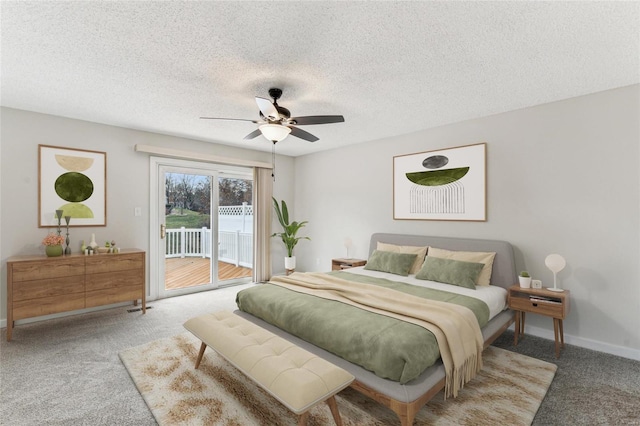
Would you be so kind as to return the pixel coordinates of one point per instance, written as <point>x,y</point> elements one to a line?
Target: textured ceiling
<point>390,68</point>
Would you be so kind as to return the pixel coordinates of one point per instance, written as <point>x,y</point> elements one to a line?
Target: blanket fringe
<point>456,378</point>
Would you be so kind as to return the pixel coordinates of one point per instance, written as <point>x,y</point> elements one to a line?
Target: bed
<point>406,399</point>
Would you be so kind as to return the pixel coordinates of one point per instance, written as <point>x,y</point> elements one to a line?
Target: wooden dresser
<point>38,285</point>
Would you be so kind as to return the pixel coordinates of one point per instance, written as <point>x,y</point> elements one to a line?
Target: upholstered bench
<point>293,376</point>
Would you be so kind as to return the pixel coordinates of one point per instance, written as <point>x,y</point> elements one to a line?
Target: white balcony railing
<point>233,246</point>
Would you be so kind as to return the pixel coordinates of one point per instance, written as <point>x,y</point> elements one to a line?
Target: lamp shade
<point>555,262</point>
<point>274,132</point>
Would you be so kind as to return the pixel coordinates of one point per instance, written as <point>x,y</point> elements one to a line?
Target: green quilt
<point>391,348</point>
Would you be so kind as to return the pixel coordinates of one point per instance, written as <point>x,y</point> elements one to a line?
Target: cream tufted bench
<point>295,377</point>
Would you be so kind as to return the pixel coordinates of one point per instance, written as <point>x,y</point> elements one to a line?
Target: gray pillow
<point>448,271</point>
<point>387,261</point>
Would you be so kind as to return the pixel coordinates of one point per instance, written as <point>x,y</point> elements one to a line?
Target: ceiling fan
<point>276,123</point>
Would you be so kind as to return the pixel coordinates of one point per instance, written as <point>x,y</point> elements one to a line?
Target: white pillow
<point>469,256</point>
<point>420,251</point>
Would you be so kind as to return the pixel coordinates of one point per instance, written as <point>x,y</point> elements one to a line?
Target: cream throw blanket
<point>455,327</point>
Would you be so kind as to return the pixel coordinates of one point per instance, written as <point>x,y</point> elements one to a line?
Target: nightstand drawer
<point>551,309</point>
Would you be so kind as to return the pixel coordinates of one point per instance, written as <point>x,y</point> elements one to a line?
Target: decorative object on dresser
<point>542,302</point>
<point>346,263</point>
<point>38,286</point>
<point>93,243</point>
<point>289,234</point>
<point>525,279</point>
<point>59,214</point>
<point>555,263</point>
<point>67,249</point>
<point>53,245</point>
<point>73,181</point>
<point>453,186</point>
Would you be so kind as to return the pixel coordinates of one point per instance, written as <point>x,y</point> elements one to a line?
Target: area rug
<point>508,390</point>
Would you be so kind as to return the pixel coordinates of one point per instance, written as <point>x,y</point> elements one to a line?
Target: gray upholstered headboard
<point>504,267</point>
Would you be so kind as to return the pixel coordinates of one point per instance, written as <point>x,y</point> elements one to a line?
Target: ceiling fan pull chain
<point>273,161</point>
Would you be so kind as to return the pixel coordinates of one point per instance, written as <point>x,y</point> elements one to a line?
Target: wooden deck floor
<point>192,271</point>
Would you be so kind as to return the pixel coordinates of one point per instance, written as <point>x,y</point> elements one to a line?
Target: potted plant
<point>525,279</point>
<point>53,245</point>
<point>289,235</point>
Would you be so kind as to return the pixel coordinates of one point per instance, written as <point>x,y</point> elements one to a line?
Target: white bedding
<point>495,297</point>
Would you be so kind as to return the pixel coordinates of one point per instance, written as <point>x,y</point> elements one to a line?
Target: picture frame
<point>74,181</point>
<point>445,184</point>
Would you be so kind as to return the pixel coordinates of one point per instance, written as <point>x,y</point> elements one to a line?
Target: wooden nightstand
<point>539,301</point>
<point>344,263</point>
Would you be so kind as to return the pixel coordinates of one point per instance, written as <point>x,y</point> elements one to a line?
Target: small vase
<point>53,251</point>
<point>93,243</point>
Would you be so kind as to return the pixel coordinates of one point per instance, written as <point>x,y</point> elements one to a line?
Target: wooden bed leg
<point>200,354</point>
<point>406,418</point>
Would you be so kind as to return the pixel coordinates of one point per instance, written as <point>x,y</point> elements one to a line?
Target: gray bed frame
<point>406,400</point>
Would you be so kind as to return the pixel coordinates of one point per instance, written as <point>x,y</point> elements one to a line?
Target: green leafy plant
<point>290,230</point>
<point>524,274</point>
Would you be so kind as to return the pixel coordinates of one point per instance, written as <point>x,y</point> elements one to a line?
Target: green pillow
<point>449,271</point>
<point>387,261</point>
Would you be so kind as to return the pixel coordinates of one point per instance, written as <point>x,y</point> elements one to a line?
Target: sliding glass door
<point>205,227</point>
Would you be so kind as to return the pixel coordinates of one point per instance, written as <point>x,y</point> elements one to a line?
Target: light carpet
<point>508,390</point>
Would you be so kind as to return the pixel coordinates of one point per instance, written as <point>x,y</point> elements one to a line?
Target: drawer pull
<point>535,304</point>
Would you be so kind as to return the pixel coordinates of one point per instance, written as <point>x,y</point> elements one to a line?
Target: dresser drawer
<point>108,296</point>
<point>47,269</point>
<point>115,280</point>
<point>112,263</point>
<point>29,290</point>
<point>47,305</point>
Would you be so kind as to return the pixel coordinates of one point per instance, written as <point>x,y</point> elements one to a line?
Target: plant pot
<point>53,251</point>
<point>290,263</point>
<point>525,282</point>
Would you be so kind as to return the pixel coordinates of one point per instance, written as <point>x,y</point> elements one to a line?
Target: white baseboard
<point>585,343</point>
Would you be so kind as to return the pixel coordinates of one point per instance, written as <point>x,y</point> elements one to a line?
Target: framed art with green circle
<point>74,181</point>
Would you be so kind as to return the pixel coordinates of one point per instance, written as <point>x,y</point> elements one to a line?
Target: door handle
<point>163,231</point>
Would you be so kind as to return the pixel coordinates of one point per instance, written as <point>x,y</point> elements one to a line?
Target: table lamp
<point>555,263</point>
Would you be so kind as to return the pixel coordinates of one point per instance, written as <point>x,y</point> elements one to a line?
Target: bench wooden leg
<point>302,420</point>
<point>333,406</point>
<point>200,354</point>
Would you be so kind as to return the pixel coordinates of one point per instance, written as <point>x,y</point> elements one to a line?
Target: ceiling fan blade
<point>317,119</point>
<point>253,134</point>
<point>232,119</point>
<point>267,108</point>
<point>302,134</point>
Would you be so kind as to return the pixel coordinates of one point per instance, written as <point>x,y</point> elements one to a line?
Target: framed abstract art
<point>448,184</point>
<point>74,181</point>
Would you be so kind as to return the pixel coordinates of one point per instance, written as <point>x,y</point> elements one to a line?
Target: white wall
<point>127,180</point>
<point>562,178</point>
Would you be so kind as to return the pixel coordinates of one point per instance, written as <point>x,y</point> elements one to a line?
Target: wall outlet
<point>137,211</point>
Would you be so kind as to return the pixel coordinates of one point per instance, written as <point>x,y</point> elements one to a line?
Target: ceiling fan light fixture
<point>274,132</point>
